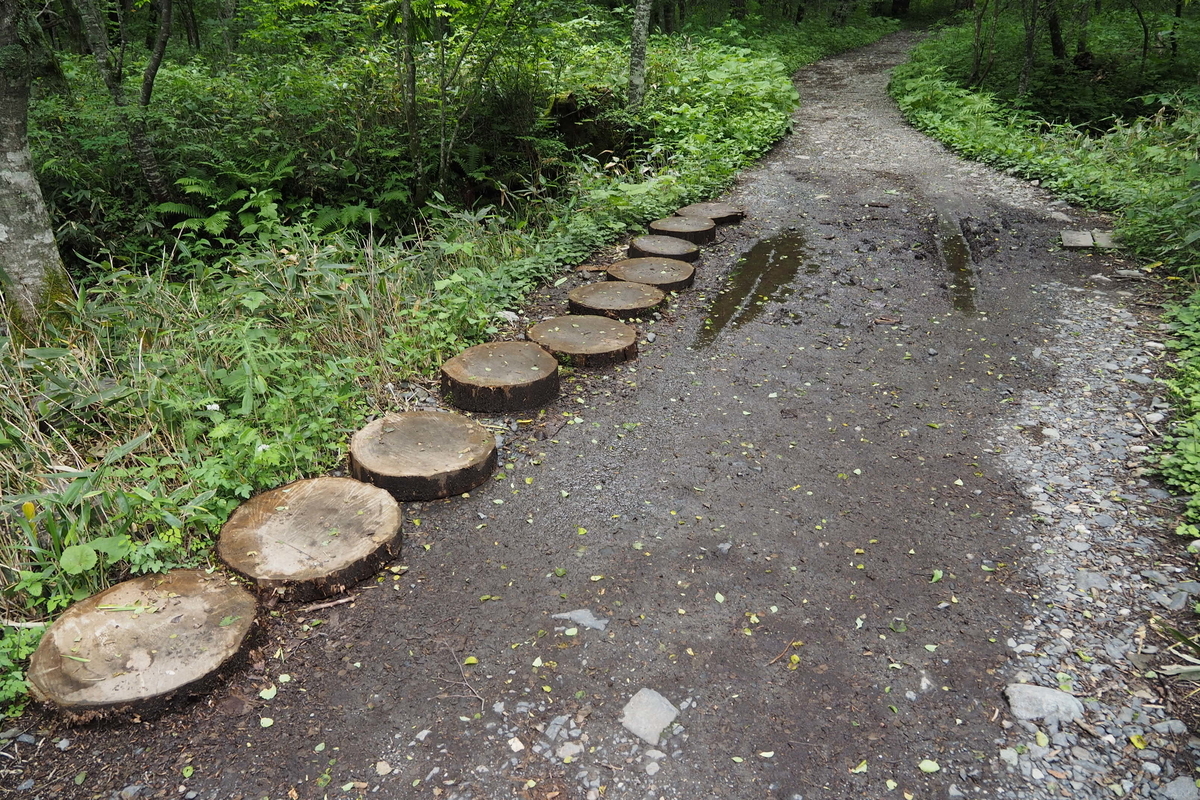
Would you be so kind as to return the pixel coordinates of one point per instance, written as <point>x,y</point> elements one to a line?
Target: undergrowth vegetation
<point>1117,128</point>
<point>303,283</point>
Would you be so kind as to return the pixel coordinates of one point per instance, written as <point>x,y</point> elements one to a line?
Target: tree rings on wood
<point>663,247</point>
<point>585,340</point>
<point>501,376</point>
<point>312,538</point>
<point>719,213</point>
<point>667,274</point>
<point>423,455</point>
<point>139,643</point>
<point>697,230</point>
<point>618,299</point>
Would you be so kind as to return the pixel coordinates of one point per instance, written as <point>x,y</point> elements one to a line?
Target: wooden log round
<point>585,340</point>
<point>697,230</point>
<point>618,299</point>
<point>423,455</point>
<point>667,274</point>
<point>137,645</point>
<point>663,247</point>
<point>312,538</point>
<point>501,376</point>
<point>719,213</point>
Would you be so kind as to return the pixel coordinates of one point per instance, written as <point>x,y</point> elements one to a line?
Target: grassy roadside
<point>160,395</point>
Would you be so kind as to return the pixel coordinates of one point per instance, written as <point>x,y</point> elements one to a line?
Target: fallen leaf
<point>469,660</point>
<point>861,768</point>
<point>928,765</point>
<point>266,722</point>
<point>720,598</point>
<point>937,576</point>
<point>269,692</point>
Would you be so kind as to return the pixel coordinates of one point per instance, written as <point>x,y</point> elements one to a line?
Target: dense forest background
<point>277,216</point>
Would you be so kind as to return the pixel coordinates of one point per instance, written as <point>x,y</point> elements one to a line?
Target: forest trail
<point>803,517</point>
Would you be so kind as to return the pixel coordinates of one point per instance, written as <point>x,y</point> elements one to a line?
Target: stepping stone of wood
<point>1077,240</point>
<point>697,230</point>
<point>138,644</point>
<point>618,299</point>
<point>719,213</point>
<point>501,376</point>
<point>423,455</point>
<point>312,538</point>
<point>667,274</point>
<point>663,247</point>
<point>585,340</point>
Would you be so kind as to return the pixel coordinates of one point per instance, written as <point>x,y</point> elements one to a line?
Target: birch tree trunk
<point>30,264</point>
<point>637,54</point>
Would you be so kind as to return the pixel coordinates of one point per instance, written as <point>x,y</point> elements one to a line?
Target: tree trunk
<point>1030,11</point>
<point>637,54</point>
<point>30,265</point>
<point>841,13</point>
<point>1058,47</point>
<point>408,61</point>
<point>111,70</point>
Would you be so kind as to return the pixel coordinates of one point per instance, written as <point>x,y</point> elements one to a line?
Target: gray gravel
<point>1102,572</point>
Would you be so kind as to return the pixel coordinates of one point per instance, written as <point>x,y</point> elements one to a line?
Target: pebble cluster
<point>1100,568</point>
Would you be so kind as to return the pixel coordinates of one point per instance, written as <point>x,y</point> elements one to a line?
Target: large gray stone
<point>1182,788</point>
<point>647,714</point>
<point>1040,702</point>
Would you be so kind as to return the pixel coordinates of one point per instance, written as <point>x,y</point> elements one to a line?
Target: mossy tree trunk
<point>30,264</point>
<point>637,54</point>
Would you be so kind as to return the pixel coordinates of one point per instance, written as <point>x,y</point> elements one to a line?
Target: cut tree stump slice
<point>697,230</point>
<point>312,538</point>
<point>423,455</point>
<point>667,274</point>
<point>719,213</point>
<point>136,645</point>
<point>618,299</point>
<point>663,247</point>
<point>585,340</point>
<point>501,376</point>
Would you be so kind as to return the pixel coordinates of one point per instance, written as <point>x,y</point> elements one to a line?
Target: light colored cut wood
<point>140,643</point>
<point>697,230</point>
<point>719,213</point>
<point>666,274</point>
<point>423,455</point>
<point>501,376</point>
<point>312,538</point>
<point>586,340</point>
<point>663,247</point>
<point>618,299</point>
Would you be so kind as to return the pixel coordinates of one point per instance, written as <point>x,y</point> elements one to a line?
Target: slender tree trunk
<point>1145,34</point>
<point>637,54</point>
<point>1058,47</point>
<point>408,62</point>
<point>1031,10</point>
<point>30,265</point>
<point>111,70</point>
<point>841,13</point>
<point>190,28</point>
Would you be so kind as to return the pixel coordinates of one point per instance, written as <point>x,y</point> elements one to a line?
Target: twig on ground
<point>330,604</point>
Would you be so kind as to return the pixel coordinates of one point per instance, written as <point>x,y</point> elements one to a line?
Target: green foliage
<point>16,645</point>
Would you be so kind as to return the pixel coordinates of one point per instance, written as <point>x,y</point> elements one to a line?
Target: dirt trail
<point>784,515</point>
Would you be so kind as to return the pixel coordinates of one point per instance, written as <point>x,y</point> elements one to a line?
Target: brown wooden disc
<point>586,340</point>
<point>618,299</point>
<point>423,455</point>
<point>697,230</point>
<point>663,247</point>
<point>312,538</point>
<point>667,274</point>
<point>501,376</point>
<point>138,644</point>
<point>719,213</point>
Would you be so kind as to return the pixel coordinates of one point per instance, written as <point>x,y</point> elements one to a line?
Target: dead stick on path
<point>330,604</point>
<point>781,655</point>
<point>1149,428</point>
<point>14,624</point>
<point>474,694</point>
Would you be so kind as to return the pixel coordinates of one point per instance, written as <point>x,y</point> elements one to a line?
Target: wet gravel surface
<point>881,464</point>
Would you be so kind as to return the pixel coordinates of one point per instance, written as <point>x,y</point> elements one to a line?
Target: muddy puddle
<point>763,275</point>
<point>956,255</point>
